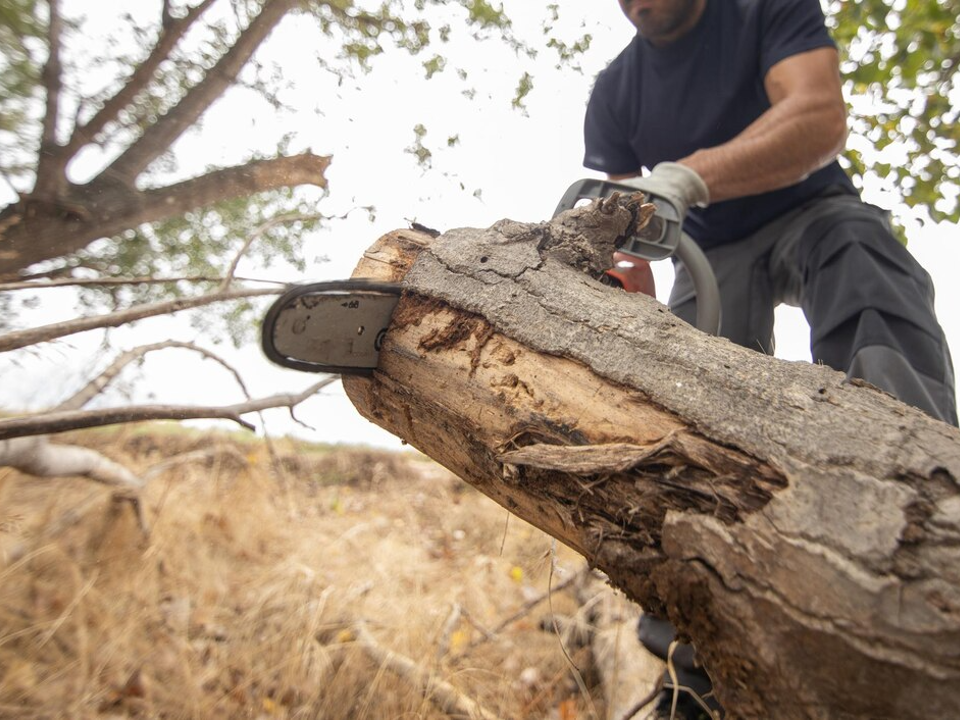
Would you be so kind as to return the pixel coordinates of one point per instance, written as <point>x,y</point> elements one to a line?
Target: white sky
<point>521,163</point>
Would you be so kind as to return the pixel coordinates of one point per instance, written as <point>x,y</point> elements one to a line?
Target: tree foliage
<point>900,66</point>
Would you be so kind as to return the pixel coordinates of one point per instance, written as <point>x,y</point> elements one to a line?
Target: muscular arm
<point>804,129</point>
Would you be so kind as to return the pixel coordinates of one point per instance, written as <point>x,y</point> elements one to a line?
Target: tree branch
<point>122,281</point>
<point>444,695</point>
<point>55,422</point>
<point>97,385</point>
<point>238,181</point>
<point>171,31</point>
<point>158,138</point>
<point>45,333</point>
<point>111,210</point>
<point>256,235</point>
<point>50,175</point>
<point>35,456</point>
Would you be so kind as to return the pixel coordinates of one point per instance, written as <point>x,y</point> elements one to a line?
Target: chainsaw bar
<point>332,327</point>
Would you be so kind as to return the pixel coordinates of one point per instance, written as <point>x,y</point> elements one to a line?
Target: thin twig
<point>441,693</point>
<point>99,383</point>
<point>256,235</point>
<point>524,610</point>
<point>644,701</point>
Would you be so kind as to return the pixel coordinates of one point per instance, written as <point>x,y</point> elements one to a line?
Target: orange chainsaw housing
<point>632,274</point>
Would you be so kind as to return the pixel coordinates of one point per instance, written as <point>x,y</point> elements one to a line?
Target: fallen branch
<point>524,610</point>
<point>54,422</point>
<point>36,456</point>
<point>442,694</point>
<point>631,676</point>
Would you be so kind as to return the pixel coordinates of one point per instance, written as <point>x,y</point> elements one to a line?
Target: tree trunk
<point>804,531</point>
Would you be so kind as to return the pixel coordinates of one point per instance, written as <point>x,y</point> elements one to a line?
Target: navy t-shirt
<point>654,104</point>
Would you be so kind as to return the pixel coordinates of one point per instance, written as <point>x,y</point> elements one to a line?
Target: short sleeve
<point>791,27</point>
<point>607,147</point>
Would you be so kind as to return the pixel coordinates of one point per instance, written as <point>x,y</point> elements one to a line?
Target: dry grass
<point>239,603</point>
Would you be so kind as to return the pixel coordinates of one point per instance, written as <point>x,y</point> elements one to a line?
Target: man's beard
<point>663,23</point>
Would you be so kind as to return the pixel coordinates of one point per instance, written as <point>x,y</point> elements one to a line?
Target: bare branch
<point>238,181</point>
<point>49,173</point>
<point>158,138</point>
<point>444,695</point>
<point>54,422</point>
<point>122,281</point>
<point>97,385</point>
<point>172,30</point>
<point>524,610</point>
<point>256,235</point>
<point>45,333</point>
<point>36,456</point>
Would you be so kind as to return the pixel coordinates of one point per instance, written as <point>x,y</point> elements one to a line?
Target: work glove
<point>675,182</point>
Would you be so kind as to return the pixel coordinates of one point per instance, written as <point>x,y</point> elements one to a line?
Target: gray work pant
<point>869,303</point>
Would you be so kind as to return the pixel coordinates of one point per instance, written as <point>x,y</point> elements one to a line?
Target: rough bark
<point>804,531</point>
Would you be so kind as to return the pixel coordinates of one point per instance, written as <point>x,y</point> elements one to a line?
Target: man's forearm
<point>804,129</point>
<point>782,147</point>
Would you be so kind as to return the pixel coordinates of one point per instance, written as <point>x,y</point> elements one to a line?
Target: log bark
<point>802,530</point>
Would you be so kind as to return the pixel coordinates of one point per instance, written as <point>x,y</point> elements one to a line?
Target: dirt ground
<point>266,569</point>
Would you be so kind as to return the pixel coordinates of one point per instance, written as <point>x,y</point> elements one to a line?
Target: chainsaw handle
<point>705,282</point>
<point>670,241</point>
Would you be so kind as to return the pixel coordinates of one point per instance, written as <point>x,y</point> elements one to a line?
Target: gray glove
<point>675,182</point>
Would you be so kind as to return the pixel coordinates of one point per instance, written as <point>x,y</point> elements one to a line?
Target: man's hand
<point>677,183</point>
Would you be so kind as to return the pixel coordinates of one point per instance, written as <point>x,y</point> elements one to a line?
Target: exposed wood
<point>804,531</point>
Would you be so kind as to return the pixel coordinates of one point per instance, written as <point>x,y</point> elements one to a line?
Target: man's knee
<point>870,308</point>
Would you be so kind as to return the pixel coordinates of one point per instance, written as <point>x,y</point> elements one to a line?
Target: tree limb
<point>50,176</point>
<point>104,211</point>
<point>121,281</point>
<point>171,31</point>
<point>54,422</point>
<point>158,138</point>
<point>441,693</point>
<point>36,456</point>
<point>256,235</point>
<point>237,181</point>
<point>97,385</point>
<point>45,333</point>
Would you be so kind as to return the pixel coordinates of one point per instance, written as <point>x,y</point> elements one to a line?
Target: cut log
<point>802,530</point>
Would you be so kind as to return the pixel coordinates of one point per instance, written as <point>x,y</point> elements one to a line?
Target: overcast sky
<point>506,163</point>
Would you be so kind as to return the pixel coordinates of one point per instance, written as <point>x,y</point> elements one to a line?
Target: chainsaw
<point>338,326</point>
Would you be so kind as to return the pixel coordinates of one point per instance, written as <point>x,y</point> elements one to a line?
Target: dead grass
<point>240,602</point>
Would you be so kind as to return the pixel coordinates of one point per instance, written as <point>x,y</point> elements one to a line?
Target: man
<point>736,105</point>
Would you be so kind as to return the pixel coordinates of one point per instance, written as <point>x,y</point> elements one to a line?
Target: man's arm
<point>804,129</point>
